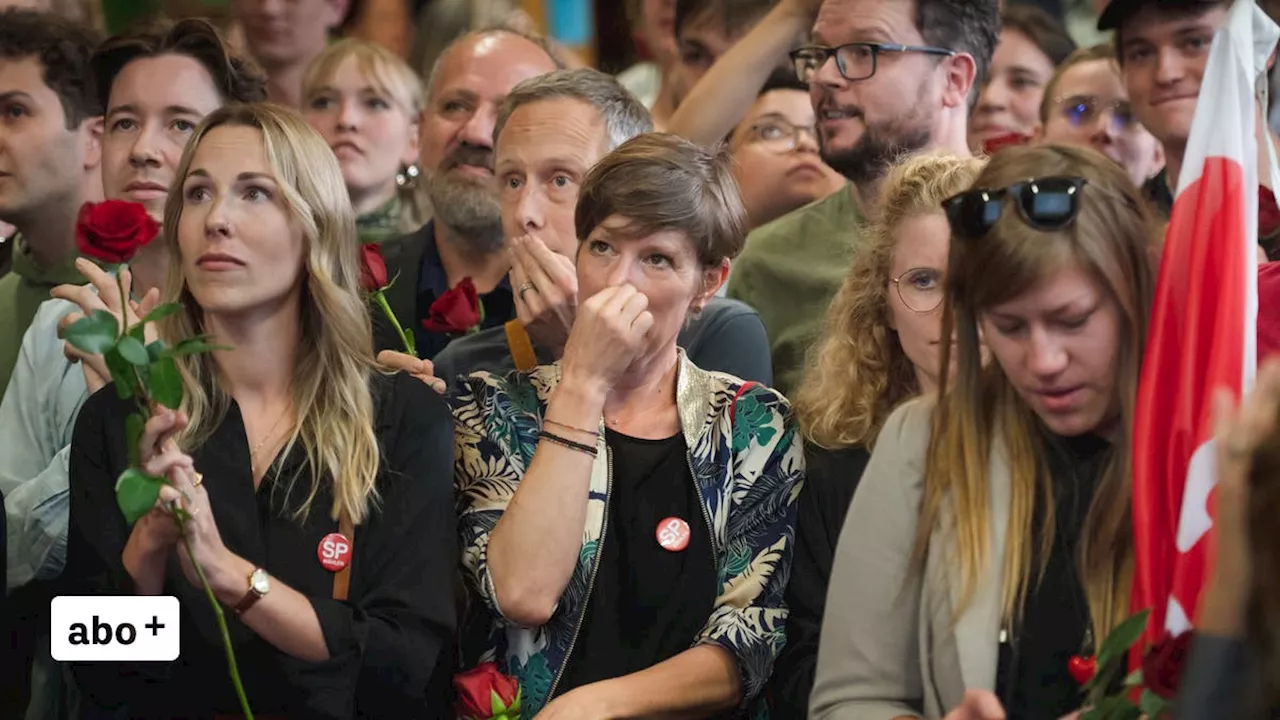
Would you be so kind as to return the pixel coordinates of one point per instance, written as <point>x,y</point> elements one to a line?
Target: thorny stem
<point>180,516</point>
<point>409,344</point>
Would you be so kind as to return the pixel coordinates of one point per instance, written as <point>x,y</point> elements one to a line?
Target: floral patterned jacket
<point>748,466</point>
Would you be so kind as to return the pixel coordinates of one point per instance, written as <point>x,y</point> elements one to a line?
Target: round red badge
<point>673,534</point>
<point>334,552</point>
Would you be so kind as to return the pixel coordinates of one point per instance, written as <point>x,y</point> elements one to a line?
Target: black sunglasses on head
<point>1047,203</point>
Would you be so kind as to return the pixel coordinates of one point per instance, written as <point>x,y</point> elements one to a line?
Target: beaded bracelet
<point>584,431</point>
<point>566,442</point>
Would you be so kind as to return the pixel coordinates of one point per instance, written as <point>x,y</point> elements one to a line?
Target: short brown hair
<point>237,78</point>
<point>1101,51</point>
<point>965,26</point>
<point>1178,9</point>
<point>660,181</point>
<point>63,49</point>
<point>735,16</point>
<point>1041,28</point>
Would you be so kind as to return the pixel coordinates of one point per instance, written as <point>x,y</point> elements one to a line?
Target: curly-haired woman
<point>880,347</point>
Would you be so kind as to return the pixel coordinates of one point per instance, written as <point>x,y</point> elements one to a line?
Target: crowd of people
<point>844,302</point>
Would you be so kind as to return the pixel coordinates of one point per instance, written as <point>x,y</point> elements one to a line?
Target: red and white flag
<point>1203,328</point>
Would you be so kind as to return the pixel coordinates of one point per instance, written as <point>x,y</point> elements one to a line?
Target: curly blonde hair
<point>859,373</point>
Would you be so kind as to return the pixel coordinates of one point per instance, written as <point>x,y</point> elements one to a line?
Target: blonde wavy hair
<point>331,382</point>
<point>392,77</point>
<point>859,373</point>
<point>1109,240</point>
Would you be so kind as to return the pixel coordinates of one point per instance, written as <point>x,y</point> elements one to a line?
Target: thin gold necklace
<point>253,453</point>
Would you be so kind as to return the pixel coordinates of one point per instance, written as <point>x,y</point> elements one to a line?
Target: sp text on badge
<point>116,628</point>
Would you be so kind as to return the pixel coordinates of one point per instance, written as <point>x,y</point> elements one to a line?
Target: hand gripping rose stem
<point>180,517</point>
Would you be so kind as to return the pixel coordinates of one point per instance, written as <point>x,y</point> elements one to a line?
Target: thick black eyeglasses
<point>855,61</point>
<point>1048,203</point>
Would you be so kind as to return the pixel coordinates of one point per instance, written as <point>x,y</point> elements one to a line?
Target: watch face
<point>260,581</point>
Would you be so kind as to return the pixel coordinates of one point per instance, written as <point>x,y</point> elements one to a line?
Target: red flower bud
<point>114,230</point>
<point>477,688</point>
<point>456,311</point>
<point>373,268</point>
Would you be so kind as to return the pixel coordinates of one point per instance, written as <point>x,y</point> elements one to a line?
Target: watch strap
<point>250,597</point>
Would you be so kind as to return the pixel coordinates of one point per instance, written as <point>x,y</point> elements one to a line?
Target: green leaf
<point>136,493</point>
<point>162,311</point>
<point>1117,707</point>
<point>132,350</point>
<point>1152,705</point>
<point>166,383</point>
<point>1122,638</point>
<point>121,373</point>
<point>133,432</point>
<point>1134,679</point>
<point>157,350</point>
<point>138,332</point>
<point>194,345</point>
<point>94,333</point>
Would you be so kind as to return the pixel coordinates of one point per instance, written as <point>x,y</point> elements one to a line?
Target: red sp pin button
<point>673,534</point>
<point>334,552</point>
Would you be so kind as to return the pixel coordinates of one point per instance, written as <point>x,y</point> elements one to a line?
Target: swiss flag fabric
<point>1203,327</point>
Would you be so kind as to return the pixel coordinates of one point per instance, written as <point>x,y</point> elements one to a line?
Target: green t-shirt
<point>21,293</point>
<point>790,270</point>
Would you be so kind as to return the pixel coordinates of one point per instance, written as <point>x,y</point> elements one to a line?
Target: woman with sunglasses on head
<point>366,103</point>
<point>989,542</point>
<point>319,490</point>
<point>1086,103</point>
<point>881,347</point>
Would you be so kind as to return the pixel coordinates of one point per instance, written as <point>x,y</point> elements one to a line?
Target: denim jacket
<point>37,416</point>
<point>748,468</point>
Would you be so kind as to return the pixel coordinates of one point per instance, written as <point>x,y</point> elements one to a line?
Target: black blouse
<point>1033,679</point>
<point>831,476</point>
<point>648,604</point>
<point>385,641</point>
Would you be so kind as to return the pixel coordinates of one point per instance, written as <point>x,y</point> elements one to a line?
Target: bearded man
<point>463,244</point>
<point>887,78</point>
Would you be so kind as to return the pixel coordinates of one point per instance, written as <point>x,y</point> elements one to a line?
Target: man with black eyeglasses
<point>886,78</point>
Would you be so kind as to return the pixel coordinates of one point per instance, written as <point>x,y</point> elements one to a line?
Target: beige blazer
<point>889,646</point>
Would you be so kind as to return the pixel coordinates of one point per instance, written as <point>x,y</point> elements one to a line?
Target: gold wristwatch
<point>259,586</point>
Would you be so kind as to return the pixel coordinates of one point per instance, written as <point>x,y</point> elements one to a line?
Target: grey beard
<point>469,209</point>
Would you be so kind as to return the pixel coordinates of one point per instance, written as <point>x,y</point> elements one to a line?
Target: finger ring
<point>525,287</point>
<point>199,479</point>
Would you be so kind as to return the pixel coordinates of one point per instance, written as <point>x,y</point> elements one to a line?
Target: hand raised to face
<point>607,337</point>
<point>546,286</point>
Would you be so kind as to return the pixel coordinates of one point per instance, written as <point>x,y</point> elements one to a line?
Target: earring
<point>407,178</point>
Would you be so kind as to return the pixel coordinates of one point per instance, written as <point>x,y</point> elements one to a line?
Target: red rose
<point>456,311</point>
<point>114,230</point>
<point>373,269</point>
<point>485,693</point>
<point>1163,664</point>
<point>1000,142</point>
